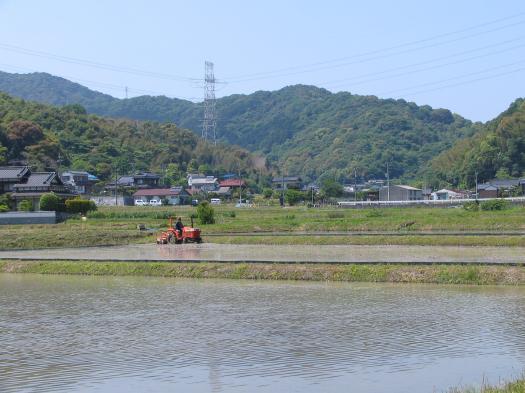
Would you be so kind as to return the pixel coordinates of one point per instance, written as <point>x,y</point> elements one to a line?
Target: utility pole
<point>209,123</point>
<point>282,189</point>
<point>476,173</point>
<point>355,184</point>
<point>388,181</point>
<point>116,194</point>
<point>240,187</point>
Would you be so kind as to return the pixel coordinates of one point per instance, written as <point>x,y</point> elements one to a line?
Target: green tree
<point>503,173</point>
<point>3,154</point>
<point>267,193</point>
<point>332,188</point>
<point>82,206</point>
<point>25,205</point>
<point>293,197</point>
<point>49,201</point>
<point>173,175</point>
<point>205,213</point>
<point>22,133</point>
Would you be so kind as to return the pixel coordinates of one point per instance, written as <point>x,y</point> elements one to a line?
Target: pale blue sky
<point>468,56</point>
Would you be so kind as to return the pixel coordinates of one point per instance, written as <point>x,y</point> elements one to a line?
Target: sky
<point>467,56</point>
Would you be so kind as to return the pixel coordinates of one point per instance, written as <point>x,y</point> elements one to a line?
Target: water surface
<point>105,334</point>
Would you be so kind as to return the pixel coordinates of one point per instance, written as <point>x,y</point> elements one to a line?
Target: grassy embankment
<point>510,387</point>
<point>111,225</point>
<point>439,274</point>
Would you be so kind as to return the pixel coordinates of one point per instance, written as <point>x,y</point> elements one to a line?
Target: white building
<point>199,182</point>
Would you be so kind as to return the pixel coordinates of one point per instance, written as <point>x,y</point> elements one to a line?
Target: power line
<point>458,54</point>
<point>360,82</point>
<point>94,64</point>
<point>280,73</point>
<point>460,77</point>
<point>109,86</point>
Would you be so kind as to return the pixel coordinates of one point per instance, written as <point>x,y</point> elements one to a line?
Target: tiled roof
<point>232,183</point>
<point>286,179</point>
<point>13,172</point>
<point>146,175</point>
<point>408,188</point>
<point>204,181</point>
<point>39,179</point>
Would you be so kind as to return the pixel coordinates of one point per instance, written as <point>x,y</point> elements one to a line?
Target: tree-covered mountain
<point>46,136</point>
<point>304,130</point>
<point>498,149</point>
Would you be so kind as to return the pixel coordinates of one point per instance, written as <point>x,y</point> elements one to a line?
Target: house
<point>400,193</point>
<point>142,180</point>
<point>173,195</point>
<point>202,183</point>
<point>38,183</point>
<point>11,175</point>
<point>286,182</point>
<point>224,192</point>
<point>146,180</point>
<point>82,182</point>
<point>445,195</point>
<point>232,183</point>
<point>498,188</point>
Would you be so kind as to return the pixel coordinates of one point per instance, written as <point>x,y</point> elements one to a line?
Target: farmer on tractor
<point>179,225</point>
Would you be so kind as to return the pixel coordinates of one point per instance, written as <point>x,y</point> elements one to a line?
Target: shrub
<point>472,206</point>
<point>205,213</point>
<point>230,214</point>
<point>4,208</point>
<point>293,197</point>
<point>49,201</point>
<point>267,193</point>
<point>25,206</point>
<point>374,213</point>
<point>81,206</point>
<point>494,204</point>
<point>6,199</point>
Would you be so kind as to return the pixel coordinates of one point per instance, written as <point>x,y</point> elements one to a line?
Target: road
<point>280,254</point>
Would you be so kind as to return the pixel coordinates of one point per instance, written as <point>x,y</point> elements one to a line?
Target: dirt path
<point>279,254</point>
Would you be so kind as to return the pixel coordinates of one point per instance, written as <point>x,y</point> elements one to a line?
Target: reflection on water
<point>109,334</point>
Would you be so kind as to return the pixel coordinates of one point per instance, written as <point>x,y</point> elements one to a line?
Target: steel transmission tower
<point>210,114</point>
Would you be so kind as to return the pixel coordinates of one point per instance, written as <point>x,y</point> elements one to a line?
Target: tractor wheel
<point>199,240</point>
<point>186,240</point>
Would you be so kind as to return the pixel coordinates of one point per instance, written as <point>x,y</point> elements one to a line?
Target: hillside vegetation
<point>497,150</point>
<point>42,135</point>
<point>306,130</point>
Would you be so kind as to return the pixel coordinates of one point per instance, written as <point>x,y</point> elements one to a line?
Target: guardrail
<point>428,203</point>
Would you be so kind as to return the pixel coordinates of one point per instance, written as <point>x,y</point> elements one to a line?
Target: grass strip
<point>510,387</point>
<point>438,274</point>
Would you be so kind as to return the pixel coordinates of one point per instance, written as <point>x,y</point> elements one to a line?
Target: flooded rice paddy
<point>120,334</point>
<point>280,253</point>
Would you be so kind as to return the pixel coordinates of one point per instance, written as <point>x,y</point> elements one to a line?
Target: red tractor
<point>187,235</point>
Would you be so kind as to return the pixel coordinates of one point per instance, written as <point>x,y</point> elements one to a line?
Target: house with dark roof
<point>142,180</point>
<point>11,175</point>
<point>38,183</point>
<point>81,181</point>
<point>498,188</point>
<point>173,195</point>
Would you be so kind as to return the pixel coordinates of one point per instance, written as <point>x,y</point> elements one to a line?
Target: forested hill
<point>498,150</point>
<point>307,130</point>
<point>43,135</point>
